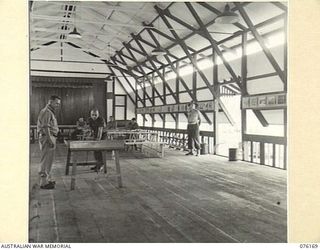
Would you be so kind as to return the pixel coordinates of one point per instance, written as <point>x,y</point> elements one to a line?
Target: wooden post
<point>216,103</point>
<point>285,136</point>
<point>74,171</point>
<point>262,153</point>
<point>153,98</point>
<point>177,93</point>
<point>118,168</point>
<point>68,161</point>
<point>104,157</point>
<point>144,100</point>
<point>164,99</point>
<point>243,89</point>
<point>194,79</point>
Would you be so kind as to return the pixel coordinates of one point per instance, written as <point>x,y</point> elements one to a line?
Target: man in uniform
<point>194,121</point>
<point>47,128</point>
<point>96,124</point>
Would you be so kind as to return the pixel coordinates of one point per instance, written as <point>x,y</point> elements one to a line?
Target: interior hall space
<point>158,122</point>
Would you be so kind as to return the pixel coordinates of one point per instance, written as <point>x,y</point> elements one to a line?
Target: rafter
<point>128,49</point>
<point>136,38</point>
<point>207,35</point>
<point>260,40</point>
<point>123,87</point>
<point>128,82</point>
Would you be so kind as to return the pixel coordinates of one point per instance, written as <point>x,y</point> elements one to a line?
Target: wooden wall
<point>79,96</point>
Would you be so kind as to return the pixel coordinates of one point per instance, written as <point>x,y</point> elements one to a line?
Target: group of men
<point>47,128</point>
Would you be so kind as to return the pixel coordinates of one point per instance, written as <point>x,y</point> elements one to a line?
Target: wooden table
<point>77,147</point>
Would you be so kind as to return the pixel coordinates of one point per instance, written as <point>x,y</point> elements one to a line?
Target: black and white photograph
<point>137,132</point>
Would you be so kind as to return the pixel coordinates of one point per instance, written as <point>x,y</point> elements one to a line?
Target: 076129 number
<point>309,245</point>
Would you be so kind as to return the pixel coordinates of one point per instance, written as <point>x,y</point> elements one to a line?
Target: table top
<point>95,145</point>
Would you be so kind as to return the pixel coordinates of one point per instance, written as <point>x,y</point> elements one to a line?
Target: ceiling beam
<point>130,52</point>
<point>260,40</point>
<point>204,32</point>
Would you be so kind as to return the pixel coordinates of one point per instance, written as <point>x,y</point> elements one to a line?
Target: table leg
<point>68,161</point>
<point>116,152</point>
<point>74,171</point>
<point>104,157</point>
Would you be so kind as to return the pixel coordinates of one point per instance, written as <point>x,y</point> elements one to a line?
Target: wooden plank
<point>96,145</point>
<point>173,199</point>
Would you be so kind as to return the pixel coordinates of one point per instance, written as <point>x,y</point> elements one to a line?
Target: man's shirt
<point>47,119</point>
<point>193,116</point>
<point>96,124</point>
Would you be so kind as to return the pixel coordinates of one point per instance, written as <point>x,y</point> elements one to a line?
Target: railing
<point>177,138</point>
<point>265,150</point>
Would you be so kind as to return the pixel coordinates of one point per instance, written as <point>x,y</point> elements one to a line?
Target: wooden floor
<point>175,199</point>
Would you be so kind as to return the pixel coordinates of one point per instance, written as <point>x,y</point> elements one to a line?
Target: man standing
<point>97,124</point>
<point>47,128</point>
<point>194,122</point>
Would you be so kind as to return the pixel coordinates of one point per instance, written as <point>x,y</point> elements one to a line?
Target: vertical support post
<point>125,106</point>
<point>177,93</point>
<point>153,96</point>
<point>136,97</point>
<point>251,151</point>
<point>273,154</point>
<point>114,98</point>
<point>144,101</point>
<point>285,118</point>
<point>262,153</point>
<point>164,97</point>
<point>285,135</point>
<point>216,103</point>
<point>194,79</point>
<point>243,89</point>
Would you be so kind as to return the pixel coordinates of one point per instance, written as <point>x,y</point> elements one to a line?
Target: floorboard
<point>177,198</point>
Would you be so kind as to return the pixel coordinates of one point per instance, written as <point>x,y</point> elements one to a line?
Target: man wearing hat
<point>194,121</point>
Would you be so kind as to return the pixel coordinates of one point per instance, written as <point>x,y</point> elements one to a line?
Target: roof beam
<point>123,86</point>
<point>136,39</point>
<point>179,77</point>
<point>259,38</point>
<point>185,49</point>
<point>204,32</point>
<point>130,52</point>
